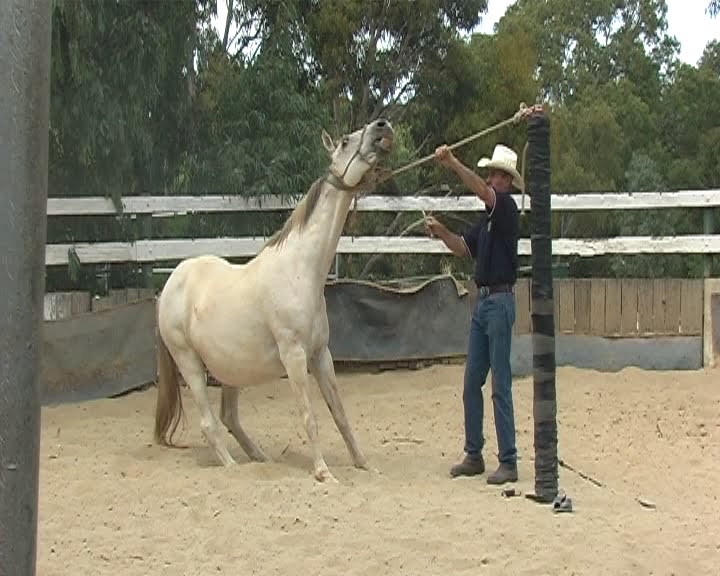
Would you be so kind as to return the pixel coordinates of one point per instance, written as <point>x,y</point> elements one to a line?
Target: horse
<point>245,324</point>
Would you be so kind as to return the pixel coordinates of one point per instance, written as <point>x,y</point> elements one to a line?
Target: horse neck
<point>318,241</point>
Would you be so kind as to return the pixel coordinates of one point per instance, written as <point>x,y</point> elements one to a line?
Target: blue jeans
<point>489,347</point>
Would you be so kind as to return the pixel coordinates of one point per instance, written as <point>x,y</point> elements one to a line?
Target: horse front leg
<point>294,359</point>
<point>323,370</point>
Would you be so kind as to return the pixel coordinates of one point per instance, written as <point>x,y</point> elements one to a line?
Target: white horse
<point>249,323</point>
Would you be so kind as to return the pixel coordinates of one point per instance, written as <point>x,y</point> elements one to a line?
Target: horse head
<point>354,158</point>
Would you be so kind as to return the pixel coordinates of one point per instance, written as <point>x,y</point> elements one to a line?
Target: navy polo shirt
<point>493,242</point>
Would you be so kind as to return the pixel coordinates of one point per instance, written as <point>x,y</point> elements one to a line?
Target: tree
<point>710,59</point>
<point>690,112</point>
<point>256,129</point>
<point>581,46</point>
<point>118,89</point>
<point>257,120</point>
<point>370,53</point>
<point>587,146</point>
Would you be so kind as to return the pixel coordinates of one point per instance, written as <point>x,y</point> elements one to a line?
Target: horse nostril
<point>381,123</point>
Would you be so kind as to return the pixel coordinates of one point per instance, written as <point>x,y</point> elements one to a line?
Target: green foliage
<point>586,147</point>
<point>118,93</point>
<point>686,103</point>
<point>370,53</point>
<point>250,145</point>
<point>643,174</point>
<point>584,45</point>
<point>710,59</point>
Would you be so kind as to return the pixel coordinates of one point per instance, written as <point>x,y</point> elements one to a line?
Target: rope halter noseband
<point>338,180</point>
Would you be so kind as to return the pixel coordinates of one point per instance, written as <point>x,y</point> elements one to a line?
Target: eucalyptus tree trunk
<point>543,323</point>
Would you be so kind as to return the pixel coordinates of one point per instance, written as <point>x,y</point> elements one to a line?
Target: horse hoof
<point>364,465</point>
<point>325,477</point>
<point>370,470</point>
<point>260,457</point>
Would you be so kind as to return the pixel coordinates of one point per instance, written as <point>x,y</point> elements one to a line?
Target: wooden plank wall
<point>619,307</point>
<point>597,306</point>
<point>60,305</point>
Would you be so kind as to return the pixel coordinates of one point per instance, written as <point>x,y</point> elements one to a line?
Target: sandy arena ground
<point>111,502</point>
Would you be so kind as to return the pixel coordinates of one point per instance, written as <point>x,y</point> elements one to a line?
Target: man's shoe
<point>504,473</point>
<point>470,466</point>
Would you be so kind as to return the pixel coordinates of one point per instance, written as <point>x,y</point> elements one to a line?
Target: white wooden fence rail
<point>175,205</point>
<point>176,249</point>
<point>158,250</point>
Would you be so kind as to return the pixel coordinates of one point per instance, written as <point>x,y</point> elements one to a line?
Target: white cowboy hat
<point>504,159</point>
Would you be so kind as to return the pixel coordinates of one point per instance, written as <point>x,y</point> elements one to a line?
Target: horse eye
<point>344,141</point>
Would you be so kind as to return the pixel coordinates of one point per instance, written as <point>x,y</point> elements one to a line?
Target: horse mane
<point>299,216</point>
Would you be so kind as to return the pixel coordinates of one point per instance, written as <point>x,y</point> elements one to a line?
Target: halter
<point>339,180</point>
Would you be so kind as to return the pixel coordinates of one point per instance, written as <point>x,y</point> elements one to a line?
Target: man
<point>492,242</point>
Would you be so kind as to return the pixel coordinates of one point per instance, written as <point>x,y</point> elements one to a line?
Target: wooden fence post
<point>708,228</point>
<point>145,224</point>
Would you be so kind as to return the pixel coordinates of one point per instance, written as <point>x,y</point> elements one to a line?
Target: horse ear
<point>328,142</point>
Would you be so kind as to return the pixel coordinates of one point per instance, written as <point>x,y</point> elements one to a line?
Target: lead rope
<point>523,112</point>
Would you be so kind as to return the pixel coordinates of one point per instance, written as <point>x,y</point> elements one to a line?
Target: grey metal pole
<point>25,27</point>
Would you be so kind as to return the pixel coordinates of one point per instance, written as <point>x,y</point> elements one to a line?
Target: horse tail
<point>169,407</point>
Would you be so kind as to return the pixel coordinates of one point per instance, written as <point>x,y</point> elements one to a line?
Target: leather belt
<point>484,291</point>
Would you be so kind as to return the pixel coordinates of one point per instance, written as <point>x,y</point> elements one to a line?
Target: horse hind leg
<point>193,371</point>
<point>230,416</point>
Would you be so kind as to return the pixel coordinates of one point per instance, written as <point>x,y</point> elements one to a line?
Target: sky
<point>687,21</point>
